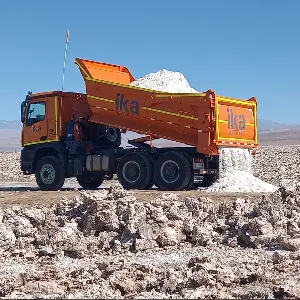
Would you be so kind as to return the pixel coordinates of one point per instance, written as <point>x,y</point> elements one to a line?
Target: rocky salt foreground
<point>108,244</point>
<point>114,244</point>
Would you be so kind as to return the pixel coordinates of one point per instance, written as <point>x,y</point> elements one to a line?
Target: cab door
<point>41,121</point>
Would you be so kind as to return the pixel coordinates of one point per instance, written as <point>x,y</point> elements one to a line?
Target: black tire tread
<point>148,168</point>
<point>191,185</point>
<point>59,184</point>
<point>97,181</point>
<point>186,165</point>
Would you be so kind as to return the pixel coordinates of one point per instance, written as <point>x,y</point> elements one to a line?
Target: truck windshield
<point>36,112</point>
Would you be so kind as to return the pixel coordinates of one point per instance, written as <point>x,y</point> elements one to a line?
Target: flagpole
<point>65,60</point>
<point>63,80</point>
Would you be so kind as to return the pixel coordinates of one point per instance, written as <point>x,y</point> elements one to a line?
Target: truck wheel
<point>49,174</point>
<point>89,181</point>
<point>135,171</point>
<point>111,136</point>
<point>172,171</point>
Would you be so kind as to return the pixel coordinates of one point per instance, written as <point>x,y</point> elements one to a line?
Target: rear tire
<point>49,173</point>
<point>172,171</point>
<point>90,182</point>
<point>135,171</point>
<point>191,185</point>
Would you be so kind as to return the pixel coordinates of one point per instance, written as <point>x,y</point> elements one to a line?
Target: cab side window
<point>36,112</point>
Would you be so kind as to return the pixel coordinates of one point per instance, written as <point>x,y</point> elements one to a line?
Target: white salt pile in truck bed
<point>165,81</point>
<point>235,164</point>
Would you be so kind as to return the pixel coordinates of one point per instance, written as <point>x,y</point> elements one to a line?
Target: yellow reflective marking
<point>240,140</point>
<point>256,127</point>
<point>160,94</point>
<point>169,113</point>
<point>81,68</point>
<point>217,119</point>
<point>233,101</point>
<point>123,85</point>
<point>225,121</point>
<point>41,142</point>
<point>101,99</point>
<point>181,95</point>
<point>56,117</point>
<point>148,108</point>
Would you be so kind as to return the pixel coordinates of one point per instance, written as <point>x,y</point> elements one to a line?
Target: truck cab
<point>39,115</point>
<point>57,136</point>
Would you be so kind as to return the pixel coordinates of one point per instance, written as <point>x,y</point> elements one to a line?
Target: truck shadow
<point>37,189</point>
<point>22,188</point>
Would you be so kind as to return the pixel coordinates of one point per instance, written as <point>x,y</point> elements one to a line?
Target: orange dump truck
<point>79,135</point>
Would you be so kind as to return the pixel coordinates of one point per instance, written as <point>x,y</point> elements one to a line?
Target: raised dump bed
<point>203,120</point>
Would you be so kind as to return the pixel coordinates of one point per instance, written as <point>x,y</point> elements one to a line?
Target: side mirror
<point>23,108</point>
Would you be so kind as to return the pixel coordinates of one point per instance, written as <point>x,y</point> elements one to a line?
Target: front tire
<point>172,171</point>
<point>49,173</point>
<point>135,171</point>
<point>90,182</point>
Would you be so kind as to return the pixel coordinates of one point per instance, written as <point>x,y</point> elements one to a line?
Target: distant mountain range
<point>270,133</point>
<point>266,125</point>
<point>14,124</point>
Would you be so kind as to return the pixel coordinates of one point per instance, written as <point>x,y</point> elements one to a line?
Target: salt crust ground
<point>108,244</point>
<point>252,246</point>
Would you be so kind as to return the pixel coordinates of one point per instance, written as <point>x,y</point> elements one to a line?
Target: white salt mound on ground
<point>234,159</point>
<point>165,81</point>
<point>236,174</point>
<point>241,182</point>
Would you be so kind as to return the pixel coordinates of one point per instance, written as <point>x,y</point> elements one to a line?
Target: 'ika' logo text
<point>236,123</point>
<point>128,106</point>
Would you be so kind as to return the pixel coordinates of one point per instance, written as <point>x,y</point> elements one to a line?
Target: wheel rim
<point>111,134</point>
<point>169,171</point>
<point>47,174</point>
<point>131,171</point>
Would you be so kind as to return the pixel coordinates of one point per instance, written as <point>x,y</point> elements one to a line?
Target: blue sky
<point>238,48</point>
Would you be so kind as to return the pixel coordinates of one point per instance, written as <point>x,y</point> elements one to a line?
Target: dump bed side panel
<point>199,119</point>
<point>144,111</point>
<point>236,122</point>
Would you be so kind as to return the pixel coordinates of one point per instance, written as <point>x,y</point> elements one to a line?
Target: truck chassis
<point>139,167</point>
